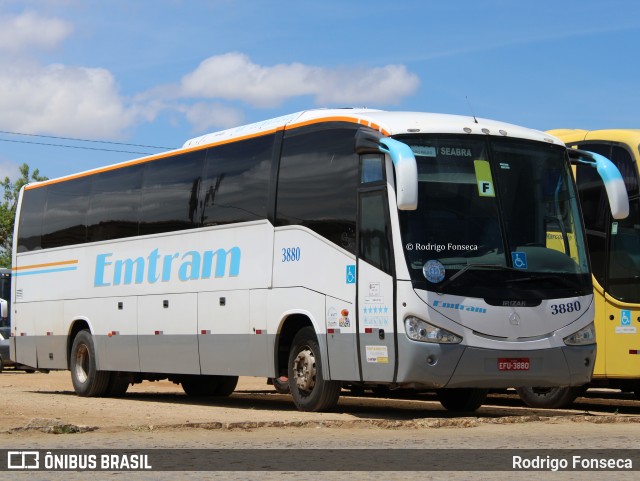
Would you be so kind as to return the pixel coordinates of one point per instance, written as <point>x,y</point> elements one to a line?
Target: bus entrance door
<point>376,330</point>
<point>376,313</point>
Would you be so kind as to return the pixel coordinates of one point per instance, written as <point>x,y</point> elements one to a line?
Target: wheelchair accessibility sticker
<point>625,318</point>
<point>351,274</point>
<point>625,326</point>
<point>519,260</point>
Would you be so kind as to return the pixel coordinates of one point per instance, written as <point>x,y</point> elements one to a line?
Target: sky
<point>136,77</point>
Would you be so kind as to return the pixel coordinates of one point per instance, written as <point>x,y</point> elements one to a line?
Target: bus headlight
<point>420,330</point>
<point>586,335</point>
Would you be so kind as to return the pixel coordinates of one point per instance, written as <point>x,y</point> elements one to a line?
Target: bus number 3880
<point>290,254</point>
<point>565,308</point>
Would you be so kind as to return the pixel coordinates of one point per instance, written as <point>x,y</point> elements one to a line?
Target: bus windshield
<point>494,214</point>
<point>614,245</point>
<point>624,271</point>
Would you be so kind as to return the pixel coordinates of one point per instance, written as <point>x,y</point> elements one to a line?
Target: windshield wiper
<point>469,266</point>
<point>558,278</point>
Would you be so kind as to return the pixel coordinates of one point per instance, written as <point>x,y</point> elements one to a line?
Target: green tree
<point>8,209</point>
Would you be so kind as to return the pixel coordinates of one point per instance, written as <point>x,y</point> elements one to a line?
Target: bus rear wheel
<point>461,399</point>
<point>549,397</point>
<point>309,389</point>
<point>87,380</point>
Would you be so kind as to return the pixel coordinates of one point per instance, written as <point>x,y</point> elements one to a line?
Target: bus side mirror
<point>404,164</point>
<point>611,176</point>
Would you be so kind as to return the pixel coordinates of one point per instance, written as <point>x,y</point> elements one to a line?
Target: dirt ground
<point>40,411</point>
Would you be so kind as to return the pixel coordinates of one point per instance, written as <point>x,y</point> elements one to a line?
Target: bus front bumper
<point>456,366</point>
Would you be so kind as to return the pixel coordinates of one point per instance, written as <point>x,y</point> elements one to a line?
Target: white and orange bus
<point>329,246</point>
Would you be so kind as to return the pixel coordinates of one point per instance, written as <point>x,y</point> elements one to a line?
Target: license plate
<point>513,364</point>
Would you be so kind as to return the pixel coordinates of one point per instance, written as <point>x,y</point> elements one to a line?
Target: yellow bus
<point>614,249</point>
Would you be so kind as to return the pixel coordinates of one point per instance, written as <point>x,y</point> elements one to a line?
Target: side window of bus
<point>595,208</point>
<point>374,236</point>
<point>64,222</point>
<point>371,168</point>
<point>318,180</point>
<point>31,214</point>
<point>624,251</point>
<point>115,201</point>
<point>627,167</point>
<point>624,256</point>
<point>170,192</point>
<point>622,159</point>
<point>235,184</point>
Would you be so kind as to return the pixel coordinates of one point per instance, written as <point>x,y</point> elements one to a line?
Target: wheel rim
<point>82,364</point>
<point>304,370</point>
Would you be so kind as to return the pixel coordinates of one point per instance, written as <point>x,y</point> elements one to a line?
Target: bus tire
<point>549,398</point>
<point>118,384</point>
<point>1,365</point>
<point>87,380</point>
<point>225,385</point>
<point>309,389</point>
<point>462,399</point>
<point>199,386</point>
<point>208,386</point>
<point>281,387</point>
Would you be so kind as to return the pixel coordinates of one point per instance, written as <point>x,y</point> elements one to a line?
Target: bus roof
<point>628,136</point>
<point>388,123</point>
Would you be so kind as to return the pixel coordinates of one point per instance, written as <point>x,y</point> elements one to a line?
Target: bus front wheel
<point>309,389</point>
<point>461,399</point>
<point>118,384</point>
<point>281,385</point>
<point>87,380</point>
<point>549,397</point>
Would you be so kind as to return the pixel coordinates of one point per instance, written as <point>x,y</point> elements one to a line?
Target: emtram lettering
<point>190,266</point>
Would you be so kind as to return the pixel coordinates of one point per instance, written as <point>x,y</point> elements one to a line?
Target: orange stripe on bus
<point>351,120</point>
<point>48,264</point>
<point>152,158</point>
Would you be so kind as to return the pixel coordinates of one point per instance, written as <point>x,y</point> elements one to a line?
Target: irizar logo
<point>514,303</point>
<point>157,267</point>
<point>459,307</point>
